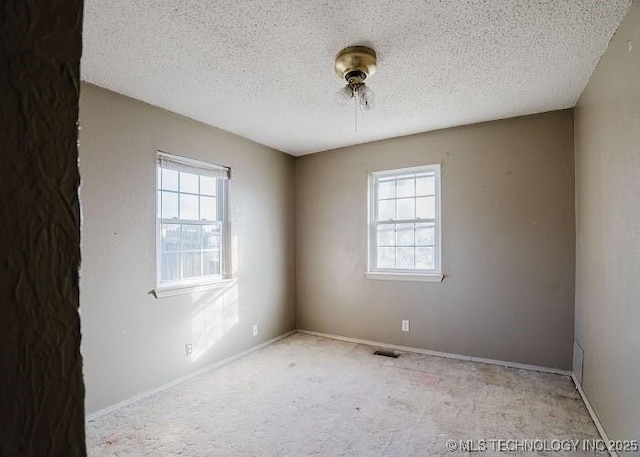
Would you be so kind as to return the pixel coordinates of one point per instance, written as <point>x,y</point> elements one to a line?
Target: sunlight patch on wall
<point>216,314</point>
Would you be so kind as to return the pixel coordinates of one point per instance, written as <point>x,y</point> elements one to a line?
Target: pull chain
<point>356,106</point>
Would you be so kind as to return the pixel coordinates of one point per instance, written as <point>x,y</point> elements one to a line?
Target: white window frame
<point>183,286</point>
<point>396,274</point>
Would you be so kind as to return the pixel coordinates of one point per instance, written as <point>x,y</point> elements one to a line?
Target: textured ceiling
<point>264,69</point>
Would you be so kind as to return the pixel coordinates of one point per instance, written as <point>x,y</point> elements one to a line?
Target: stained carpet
<point>312,396</point>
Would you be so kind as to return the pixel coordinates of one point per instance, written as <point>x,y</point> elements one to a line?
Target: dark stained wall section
<point>41,387</point>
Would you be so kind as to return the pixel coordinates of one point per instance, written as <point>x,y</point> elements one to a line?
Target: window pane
<point>188,206</point>
<point>208,208</point>
<point>170,238</point>
<point>169,266</point>
<point>211,262</point>
<point>426,207</point>
<point>387,188</point>
<point>169,179</point>
<point>425,185</point>
<point>169,205</point>
<point>386,235</point>
<point>191,264</point>
<point>405,187</point>
<point>211,236</point>
<point>404,234</point>
<point>425,258</point>
<point>191,237</point>
<point>208,185</point>
<point>188,182</point>
<point>425,234</point>
<point>406,208</point>
<point>386,258</point>
<point>386,210</point>
<point>404,258</point>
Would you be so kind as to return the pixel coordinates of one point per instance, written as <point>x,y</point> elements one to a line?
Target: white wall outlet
<point>405,326</point>
<point>255,329</point>
<point>188,348</point>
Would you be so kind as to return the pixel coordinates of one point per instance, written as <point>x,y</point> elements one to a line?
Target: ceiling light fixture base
<point>355,64</point>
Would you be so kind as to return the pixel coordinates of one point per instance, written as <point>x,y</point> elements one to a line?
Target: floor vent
<point>384,353</point>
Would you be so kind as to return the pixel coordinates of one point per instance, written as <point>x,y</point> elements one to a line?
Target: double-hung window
<point>404,224</point>
<point>192,222</point>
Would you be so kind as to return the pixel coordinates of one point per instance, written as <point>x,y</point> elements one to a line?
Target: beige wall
<point>607,145</point>
<point>508,254</point>
<point>132,341</point>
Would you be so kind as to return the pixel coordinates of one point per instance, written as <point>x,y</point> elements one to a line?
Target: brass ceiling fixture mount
<point>355,65</point>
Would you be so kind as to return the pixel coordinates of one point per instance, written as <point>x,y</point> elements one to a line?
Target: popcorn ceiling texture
<point>42,393</point>
<point>264,70</point>
<point>311,396</point>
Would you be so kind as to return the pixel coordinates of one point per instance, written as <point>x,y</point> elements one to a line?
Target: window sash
<point>407,221</point>
<point>220,200</point>
<point>395,175</point>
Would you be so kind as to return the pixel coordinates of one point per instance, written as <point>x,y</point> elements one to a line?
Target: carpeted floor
<point>312,396</point>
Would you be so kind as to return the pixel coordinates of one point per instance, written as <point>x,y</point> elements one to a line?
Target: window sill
<point>417,277</point>
<point>170,291</point>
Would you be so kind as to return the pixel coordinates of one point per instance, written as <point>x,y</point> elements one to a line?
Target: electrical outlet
<point>255,329</point>
<point>188,348</point>
<point>405,326</point>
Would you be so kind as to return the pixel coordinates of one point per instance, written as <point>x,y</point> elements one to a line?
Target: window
<point>192,222</point>
<point>404,224</point>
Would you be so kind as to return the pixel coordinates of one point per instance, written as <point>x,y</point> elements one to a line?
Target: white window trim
<point>417,277</point>
<point>193,162</point>
<point>198,284</point>
<point>170,291</point>
<point>434,275</point>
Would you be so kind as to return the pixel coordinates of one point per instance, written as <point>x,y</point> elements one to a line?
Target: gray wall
<point>133,342</point>
<point>41,388</point>
<point>607,142</point>
<point>508,243</point>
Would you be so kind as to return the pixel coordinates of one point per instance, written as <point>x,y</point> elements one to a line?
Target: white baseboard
<point>439,354</point>
<point>594,416</point>
<point>175,382</point>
